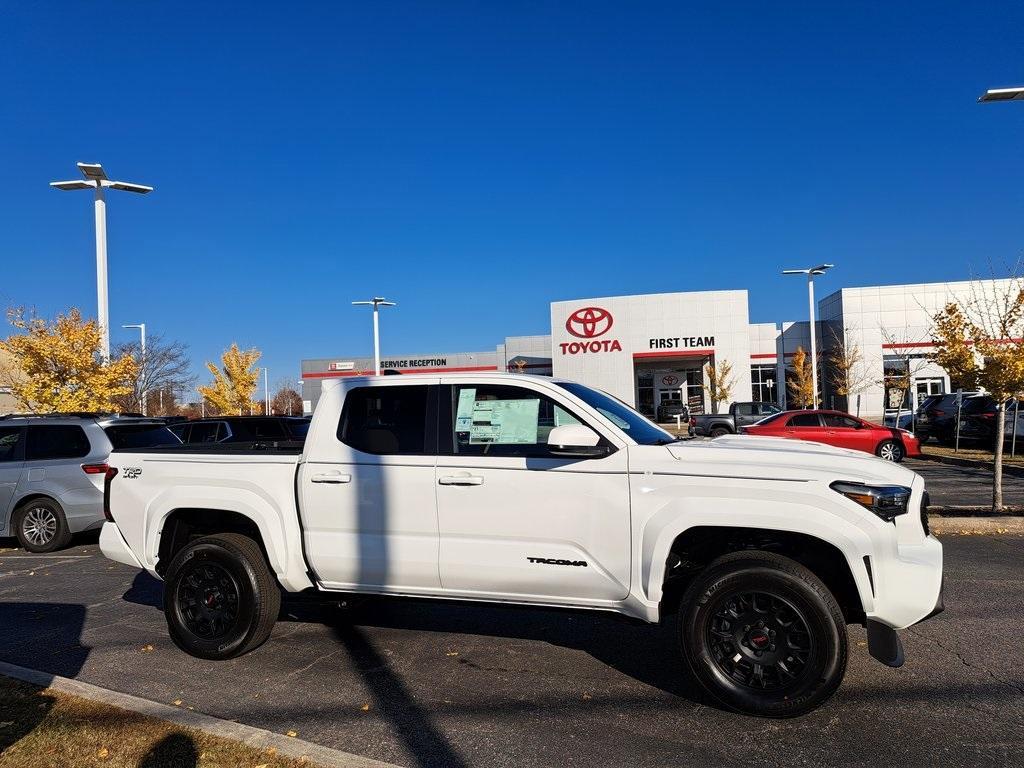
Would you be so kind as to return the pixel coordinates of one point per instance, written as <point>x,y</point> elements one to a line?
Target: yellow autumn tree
<point>980,341</point>
<point>235,382</point>
<point>801,383</point>
<point>719,383</point>
<point>55,366</point>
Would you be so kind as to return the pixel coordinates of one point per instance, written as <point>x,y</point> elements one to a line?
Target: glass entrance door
<point>925,387</point>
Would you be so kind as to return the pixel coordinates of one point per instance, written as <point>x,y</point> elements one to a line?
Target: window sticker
<point>464,412</point>
<point>504,422</point>
<point>563,417</point>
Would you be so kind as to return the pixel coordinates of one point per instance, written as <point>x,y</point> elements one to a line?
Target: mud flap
<point>884,644</point>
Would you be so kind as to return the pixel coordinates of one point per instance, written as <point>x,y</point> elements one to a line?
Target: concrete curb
<point>225,729</point>
<point>953,510</point>
<point>977,525</point>
<point>973,463</point>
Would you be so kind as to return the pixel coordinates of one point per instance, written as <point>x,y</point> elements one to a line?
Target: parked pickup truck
<point>531,490</point>
<point>739,415</point>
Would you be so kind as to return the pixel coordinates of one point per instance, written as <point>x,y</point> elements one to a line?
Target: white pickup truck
<point>532,490</point>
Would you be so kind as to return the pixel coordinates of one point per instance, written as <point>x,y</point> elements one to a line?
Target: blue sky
<point>475,161</point>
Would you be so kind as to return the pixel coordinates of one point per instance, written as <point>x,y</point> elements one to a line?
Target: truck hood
<point>750,456</point>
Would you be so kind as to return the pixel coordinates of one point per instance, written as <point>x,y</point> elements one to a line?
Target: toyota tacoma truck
<point>535,491</point>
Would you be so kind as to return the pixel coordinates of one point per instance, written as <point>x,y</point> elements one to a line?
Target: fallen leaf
<point>587,697</point>
<point>147,648</point>
<point>291,734</point>
<point>177,702</point>
<point>104,752</point>
<point>365,707</point>
<point>264,765</point>
<point>31,573</point>
<point>271,751</point>
<point>452,653</point>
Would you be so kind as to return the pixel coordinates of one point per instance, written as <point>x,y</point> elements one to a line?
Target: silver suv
<point>52,470</point>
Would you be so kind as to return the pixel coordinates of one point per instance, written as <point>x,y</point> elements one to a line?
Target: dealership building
<point>654,349</point>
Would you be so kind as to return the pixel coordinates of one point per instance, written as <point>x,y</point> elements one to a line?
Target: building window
<point>694,389</point>
<point>762,381</point>
<point>897,383</point>
<point>645,393</point>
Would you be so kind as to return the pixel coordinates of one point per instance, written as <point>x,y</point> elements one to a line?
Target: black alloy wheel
<point>207,600</point>
<point>763,635</point>
<point>760,640</point>
<point>220,598</point>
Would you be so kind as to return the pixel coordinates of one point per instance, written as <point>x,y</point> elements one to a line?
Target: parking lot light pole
<point>375,302</point>
<point>96,179</point>
<point>142,367</point>
<point>811,272</point>
<point>1002,94</point>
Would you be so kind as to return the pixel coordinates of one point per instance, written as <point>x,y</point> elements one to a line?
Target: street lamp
<point>96,178</point>
<point>142,368</point>
<point>1002,94</point>
<point>811,272</point>
<point>375,302</point>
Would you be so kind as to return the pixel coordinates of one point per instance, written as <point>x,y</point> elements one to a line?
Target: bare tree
<point>167,369</point>
<point>902,366</point>
<point>847,374</point>
<point>981,341</point>
<point>286,401</point>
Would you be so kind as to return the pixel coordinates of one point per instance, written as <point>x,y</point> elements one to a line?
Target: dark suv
<point>937,416</point>
<point>243,429</point>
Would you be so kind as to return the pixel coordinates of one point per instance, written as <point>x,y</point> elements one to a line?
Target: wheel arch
<point>185,524</point>
<point>28,497</point>
<point>789,521</point>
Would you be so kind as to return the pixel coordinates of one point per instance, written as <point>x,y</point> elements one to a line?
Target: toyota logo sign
<point>669,381</point>
<point>589,322</point>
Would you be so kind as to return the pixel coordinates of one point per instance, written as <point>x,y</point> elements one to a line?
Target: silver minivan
<point>52,470</point>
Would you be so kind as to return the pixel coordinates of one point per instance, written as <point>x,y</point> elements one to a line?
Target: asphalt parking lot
<point>427,684</point>
<point>950,485</point>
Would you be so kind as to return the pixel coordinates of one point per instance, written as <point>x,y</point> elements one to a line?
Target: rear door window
<point>386,421</point>
<point>838,420</point>
<point>10,443</point>
<point>804,420</point>
<point>56,441</point>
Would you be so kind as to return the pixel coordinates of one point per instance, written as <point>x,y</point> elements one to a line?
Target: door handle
<point>331,477</point>
<point>465,479</point>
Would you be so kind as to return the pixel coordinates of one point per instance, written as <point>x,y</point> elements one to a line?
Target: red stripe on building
<point>667,354</point>
<point>919,344</point>
<point>341,374</point>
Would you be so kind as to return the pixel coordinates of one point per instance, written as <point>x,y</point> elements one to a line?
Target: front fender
<point>800,513</point>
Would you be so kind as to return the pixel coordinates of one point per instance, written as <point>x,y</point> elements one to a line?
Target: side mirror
<point>576,440</point>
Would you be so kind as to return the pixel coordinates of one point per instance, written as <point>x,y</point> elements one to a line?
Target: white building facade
<point>653,349</point>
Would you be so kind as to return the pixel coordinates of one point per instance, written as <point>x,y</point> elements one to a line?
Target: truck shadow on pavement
<point>647,653</point>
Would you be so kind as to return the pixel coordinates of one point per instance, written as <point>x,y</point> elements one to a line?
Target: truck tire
<point>763,635</point>
<point>220,599</point>
<point>718,432</point>
<point>40,526</point>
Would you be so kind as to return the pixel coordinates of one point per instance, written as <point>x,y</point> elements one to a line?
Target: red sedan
<point>841,430</point>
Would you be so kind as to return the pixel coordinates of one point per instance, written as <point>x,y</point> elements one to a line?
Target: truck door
<point>367,496</point>
<point>514,519</point>
<point>12,452</point>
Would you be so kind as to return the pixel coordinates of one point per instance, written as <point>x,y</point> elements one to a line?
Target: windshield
<point>621,415</point>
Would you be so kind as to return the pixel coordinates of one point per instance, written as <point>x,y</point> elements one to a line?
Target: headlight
<point>886,501</point>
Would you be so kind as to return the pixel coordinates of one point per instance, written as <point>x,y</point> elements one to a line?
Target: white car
<point>531,490</point>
